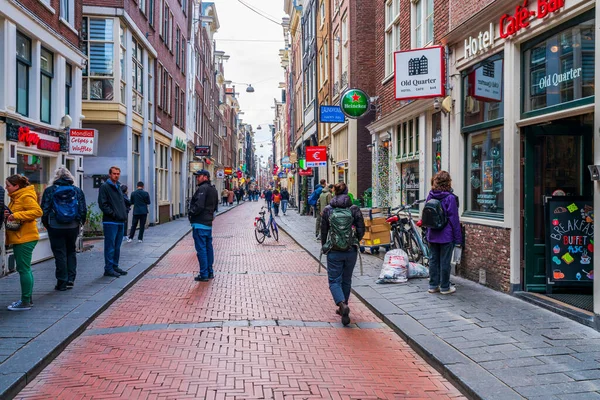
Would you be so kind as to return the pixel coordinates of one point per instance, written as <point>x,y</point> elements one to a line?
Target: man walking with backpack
<point>342,228</point>
<point>114,217</point>
<point>65,212</point>
<point>440,216</point>
<point>140,199</point>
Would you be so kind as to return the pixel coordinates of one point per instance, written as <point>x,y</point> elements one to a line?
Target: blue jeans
<point>284,204</point>
<point>269,203</point>
<point>439,265</point>
<point>204,251</point>
<point>113,237</point>
<point>340,265</point>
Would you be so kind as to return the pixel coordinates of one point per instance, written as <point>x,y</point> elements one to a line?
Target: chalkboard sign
<point>569,241</point>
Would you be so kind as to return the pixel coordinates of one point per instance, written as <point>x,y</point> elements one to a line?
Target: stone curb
<point>42,350</point>
<point>472,380</point>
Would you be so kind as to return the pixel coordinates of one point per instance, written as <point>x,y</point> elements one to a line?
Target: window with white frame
<point>136,156</point>
<point>423,23</point>
<point>322,12</point>
<point>46,76</point>
<point>392,33</point>
<point>159,89</point>
<point>142,5</point>
<point>169,95</point>
<point>161,171</point>
<point>321,68</point>
<point>182,109</point>
<point>344,82</point>
<point>68,86</point>
<point>67,11</point>
<point>183,46</point>
<point>122,62</point>
<point>336,62</point>
<point>151,12</point>
<point>326,59</point>
<point>165,83</point>
<point>177,44</point>
<point>150,87</point>
<point>177,105</point>
<point>98,46</point>
<point>23,67</point>
<point>407,138</point>
<point>137,77</point>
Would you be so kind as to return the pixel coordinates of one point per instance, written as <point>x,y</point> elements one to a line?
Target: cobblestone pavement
<point>265,327</point>
<point>493,345</point>
<point>29,340</point>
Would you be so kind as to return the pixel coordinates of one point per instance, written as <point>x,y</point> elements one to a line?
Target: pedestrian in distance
<point>242,193</point>
<point>324,199</point>
<point>224,195</point>
<point>125,190</point>
<point>230,196</point>
<point>238,194</point>
<point>140,199</point>
<point>285,199</point>
<point>342,228</point>
<point>201,215</point>
<point>276,201</point>
<point>443,239</point>
<point>65,212</point>
<point>313,199</point>
<point>114,217</point>
<point>21,215</point>
<point>269,198</point>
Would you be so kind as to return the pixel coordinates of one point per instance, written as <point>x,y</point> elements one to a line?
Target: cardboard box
<point>380,228</point>
<point>378,237</point>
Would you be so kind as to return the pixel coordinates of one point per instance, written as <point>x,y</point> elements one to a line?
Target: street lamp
<point>249,88</point>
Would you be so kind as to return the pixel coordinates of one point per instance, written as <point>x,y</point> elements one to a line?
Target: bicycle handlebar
<point>404,207</point>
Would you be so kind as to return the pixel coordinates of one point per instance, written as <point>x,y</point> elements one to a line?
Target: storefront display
<point>37,170</point>
<point>483,88</point>
<point>410,182</point>
<point>485,169</point>
<point>436,143</point>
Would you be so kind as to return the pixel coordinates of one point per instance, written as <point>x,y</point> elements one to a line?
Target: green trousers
<point>23,254</point>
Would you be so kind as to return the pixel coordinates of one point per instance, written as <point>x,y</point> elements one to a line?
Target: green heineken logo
<point>354,103</point>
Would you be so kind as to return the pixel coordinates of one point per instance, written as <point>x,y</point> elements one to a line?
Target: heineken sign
<point>354,103</point>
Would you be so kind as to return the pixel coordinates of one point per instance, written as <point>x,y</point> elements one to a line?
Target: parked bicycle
<point>406,236</point>
<point>265,229</point>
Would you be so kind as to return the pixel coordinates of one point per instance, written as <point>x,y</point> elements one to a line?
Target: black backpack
<point>434,215</point>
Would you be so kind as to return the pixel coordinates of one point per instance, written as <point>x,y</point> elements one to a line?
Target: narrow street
<point>265,327</point>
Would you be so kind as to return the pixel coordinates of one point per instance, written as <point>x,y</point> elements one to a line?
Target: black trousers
<point>63,245</point>
<point>142,220</point>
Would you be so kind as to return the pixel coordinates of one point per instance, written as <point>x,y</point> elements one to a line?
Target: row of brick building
<point>513,123</point>
<point>143,75</point>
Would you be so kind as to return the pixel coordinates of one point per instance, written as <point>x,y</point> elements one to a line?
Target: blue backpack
<point>314,197</point>
<point>65,204</point>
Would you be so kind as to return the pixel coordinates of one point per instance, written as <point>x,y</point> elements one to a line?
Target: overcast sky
<point>253,42</point>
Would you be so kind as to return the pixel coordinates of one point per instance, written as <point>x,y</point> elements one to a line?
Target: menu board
<point>569,241</point>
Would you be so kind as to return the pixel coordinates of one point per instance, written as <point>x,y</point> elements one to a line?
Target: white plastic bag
<point>416,270</point>
<point>395,267</point>
<point>456,255</point>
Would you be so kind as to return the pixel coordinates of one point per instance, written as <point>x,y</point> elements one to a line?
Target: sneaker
<point>198,278</point>
<point>434,290</point>
<point>70,284</point>
<point>451,290</point>
<point>120,271</point>
<point>211,276</point>
<point>61,288</point>
<point>19,306</point>
<point>344,311</point>
<point>128,240</point>
<point>140,241</point>
<point>114,274</point>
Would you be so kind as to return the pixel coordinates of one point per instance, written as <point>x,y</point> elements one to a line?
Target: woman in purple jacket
<point>442,241</point>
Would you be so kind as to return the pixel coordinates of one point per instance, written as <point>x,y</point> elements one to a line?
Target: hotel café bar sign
<point>419,74</point>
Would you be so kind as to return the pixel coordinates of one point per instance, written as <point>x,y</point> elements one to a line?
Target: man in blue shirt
<point>201,215</point>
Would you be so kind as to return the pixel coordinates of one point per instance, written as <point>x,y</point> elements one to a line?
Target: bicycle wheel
<point>397,242</point>
<point>415,254</point>
<point>259,232</point>
<point>274,230</point>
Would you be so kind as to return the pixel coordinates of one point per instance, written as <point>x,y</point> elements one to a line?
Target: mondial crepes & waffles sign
<point>354,103</point>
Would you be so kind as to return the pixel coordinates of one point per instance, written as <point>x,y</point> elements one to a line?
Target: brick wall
<point>462,10</point>
<point>488,248</point>
<point>53,20</point>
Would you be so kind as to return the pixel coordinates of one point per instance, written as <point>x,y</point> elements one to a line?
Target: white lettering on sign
<point>82,142</point>
<point>556,78</point>
<point>480,43</point>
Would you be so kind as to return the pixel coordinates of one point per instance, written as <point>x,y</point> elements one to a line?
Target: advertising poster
<point>487,176</point>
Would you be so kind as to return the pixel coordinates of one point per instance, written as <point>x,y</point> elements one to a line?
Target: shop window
<point>485,171</point>
<point>436,143</point>
<point>410,182</point>
<point>37,170</point>
<point>560,68</point>
<point>97,43</point>
<point>483,92</point>
<point>23,67</point>
<point>46,75</point>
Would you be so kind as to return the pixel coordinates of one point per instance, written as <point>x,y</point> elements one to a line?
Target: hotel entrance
<point>555,157</point>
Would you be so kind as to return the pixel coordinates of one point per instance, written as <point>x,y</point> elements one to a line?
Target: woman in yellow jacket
<point>23,207</point>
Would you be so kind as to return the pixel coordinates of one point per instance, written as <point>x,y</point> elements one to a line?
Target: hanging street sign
<point>316,156</point>
<point>419,74</point>
<point>354,103</point>
<point>331,114</point>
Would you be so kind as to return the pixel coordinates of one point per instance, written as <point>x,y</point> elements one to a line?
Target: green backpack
<point>341,235</point>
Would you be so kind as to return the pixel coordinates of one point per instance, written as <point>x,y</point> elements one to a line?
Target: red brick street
<point>264,328</point>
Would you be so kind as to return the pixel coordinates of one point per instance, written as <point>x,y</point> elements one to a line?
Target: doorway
<point>555,158</point>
